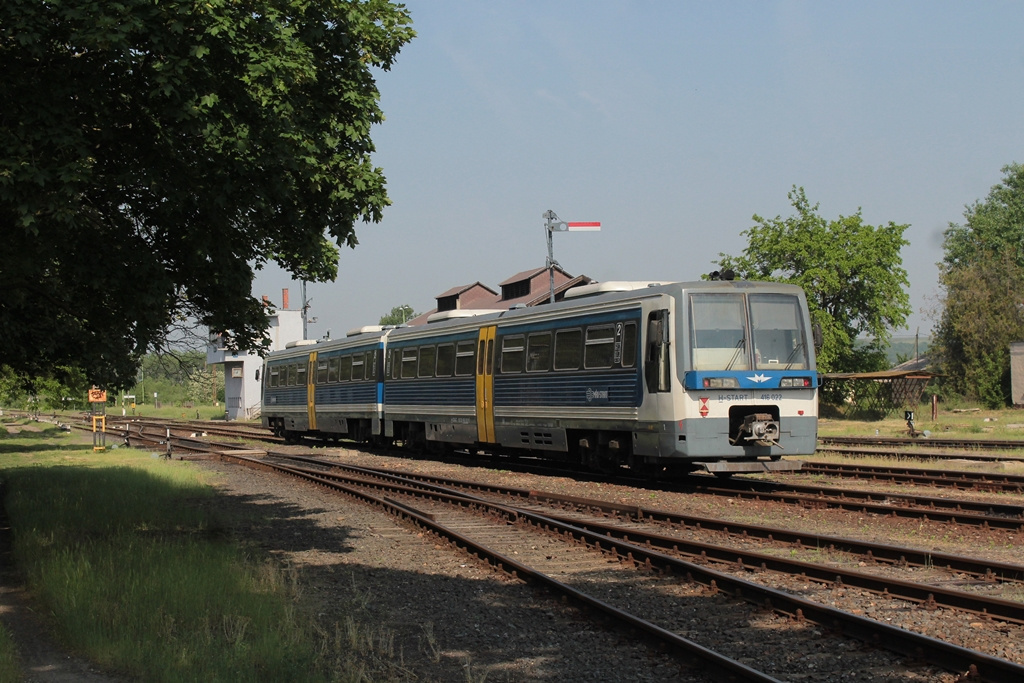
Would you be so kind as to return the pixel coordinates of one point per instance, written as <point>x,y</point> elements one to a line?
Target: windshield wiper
<point>740,345</point>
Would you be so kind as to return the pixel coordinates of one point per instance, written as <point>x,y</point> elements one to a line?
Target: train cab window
<point>409,362</point>
<point>332,369</point>
<point>777,328</point>
<point>445,360</point>
<point>428,354</point>
<point>568,345</point>
<point>657,360</point>
<point>599,348</point>
<point>512,354</point>
<point>538,352</point>
<point>719,332</point>
<point>321,371</point>
<point>357,367</point>
<point>628,353</point>
<point>464,360</point>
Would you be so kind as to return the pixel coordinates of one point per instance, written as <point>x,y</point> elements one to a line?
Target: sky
<point>672,123</point>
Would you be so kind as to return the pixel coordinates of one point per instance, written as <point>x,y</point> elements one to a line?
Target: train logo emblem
<point>758,378</point>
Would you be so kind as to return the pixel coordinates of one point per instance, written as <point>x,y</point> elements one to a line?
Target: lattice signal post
<point>552,225</point>
<point>98,408</point>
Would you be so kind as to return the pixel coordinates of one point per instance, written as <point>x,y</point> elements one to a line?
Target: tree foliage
<point>152,154</point>
<point>46,393</point>
<point>982,273</point>
<point>399,315</point>
<point>852,274</point>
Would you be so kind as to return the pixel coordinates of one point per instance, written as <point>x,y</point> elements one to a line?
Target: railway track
<point>916,454</point>
<point>614,547</point>
<point>932,441</point>
<point>986,514</point>
<point>958,479</point>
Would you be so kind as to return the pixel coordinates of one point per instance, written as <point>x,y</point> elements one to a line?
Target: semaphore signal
<point>552,225</point>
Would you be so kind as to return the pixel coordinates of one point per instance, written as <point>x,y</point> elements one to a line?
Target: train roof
<point>591,297</point>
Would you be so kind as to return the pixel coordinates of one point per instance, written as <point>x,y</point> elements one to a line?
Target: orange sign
<point>97,396</point>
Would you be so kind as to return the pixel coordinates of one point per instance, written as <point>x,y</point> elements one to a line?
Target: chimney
<point>284,298</point>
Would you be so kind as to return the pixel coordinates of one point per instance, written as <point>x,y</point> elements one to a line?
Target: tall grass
<point>140,579</point>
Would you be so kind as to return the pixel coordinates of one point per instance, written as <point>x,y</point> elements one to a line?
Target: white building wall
<point>242,389</point>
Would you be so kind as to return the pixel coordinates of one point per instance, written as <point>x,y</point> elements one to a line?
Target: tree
<point>982,273</point>
<point>399,315</point>
<point>152,155</point>
<point>851,272</point>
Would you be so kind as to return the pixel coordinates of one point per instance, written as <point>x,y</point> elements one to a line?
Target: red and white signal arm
<point>583,226</point>
<point>97,396</point>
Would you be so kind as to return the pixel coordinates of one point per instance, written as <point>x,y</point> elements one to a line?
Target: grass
<point>10,668</point>
<point>140,578</point>
<point>964,422</point>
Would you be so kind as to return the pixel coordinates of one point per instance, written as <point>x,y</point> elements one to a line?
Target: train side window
<point>512,351</point>
<point>395,364</point>
<point>409,362</point>
<point>344,368</point>
<point>428,355</point>
<point>657,361</point>
<point>628,345</point>
<point>464,360</point>
<point>567,349</point>
<point>300,375</point>
<point>599,348</point>
<point>321,371</point>
<point>357,367</point>
<point>538,352</point>
<point>291,375</point>
<point>445,360</point>
<point>332,369</point>
<point>274,376</point>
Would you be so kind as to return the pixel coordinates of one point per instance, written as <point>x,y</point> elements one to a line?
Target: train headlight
<point>721,383</point>
<point>795,382</point>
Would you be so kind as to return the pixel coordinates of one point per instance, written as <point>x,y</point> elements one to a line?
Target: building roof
<point>478,296</point>
<point>465,288</point>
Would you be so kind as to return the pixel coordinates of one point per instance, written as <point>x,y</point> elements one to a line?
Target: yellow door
<point>485,385</point>
<point>311,390</point>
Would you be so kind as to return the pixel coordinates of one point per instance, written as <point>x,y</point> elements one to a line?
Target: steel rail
<point>931,440</point>
<point>988,481</point>
<point>946,655</point>
<point>929,596</point>
<point>917,454</point>
<point>731,669</point>
<point>872,552</point>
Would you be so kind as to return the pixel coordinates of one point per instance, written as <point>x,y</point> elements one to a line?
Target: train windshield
<point>747,332</point>
<point>780,341</point>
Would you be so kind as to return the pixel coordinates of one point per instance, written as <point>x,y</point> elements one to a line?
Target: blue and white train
<point>712,375</point>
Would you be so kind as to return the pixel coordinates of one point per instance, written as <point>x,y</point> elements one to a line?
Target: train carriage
<point>716,375</point>
<point>328,390</point>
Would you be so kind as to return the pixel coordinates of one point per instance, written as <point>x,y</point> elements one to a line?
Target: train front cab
<point>743,392</point>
